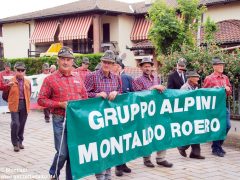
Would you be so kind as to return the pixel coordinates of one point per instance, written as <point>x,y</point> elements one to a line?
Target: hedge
<point>34,65</point>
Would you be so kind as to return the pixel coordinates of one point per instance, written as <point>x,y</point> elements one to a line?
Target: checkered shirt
<point>82,72</point>
<point>144,82</point>
<point>97,82</point>
<point>59,88</point>
<point>215,81</point>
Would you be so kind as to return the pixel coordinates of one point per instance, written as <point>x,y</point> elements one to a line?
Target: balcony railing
<point>33,53</point>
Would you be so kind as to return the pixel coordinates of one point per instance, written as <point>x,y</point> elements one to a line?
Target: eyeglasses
<point>65,50</point>
<point>107,62</point>
<point>20,70</point>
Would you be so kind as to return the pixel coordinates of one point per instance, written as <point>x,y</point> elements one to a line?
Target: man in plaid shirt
<point>149,82</point>
<point>103,83</point>
<point>218,80</point>
<point>57,89</point>
<point>83,70</point>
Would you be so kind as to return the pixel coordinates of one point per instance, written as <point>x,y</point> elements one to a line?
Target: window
<point>83,46</point>
<point>1,50</point>
<point>0,30</point>
<point>106,33</point>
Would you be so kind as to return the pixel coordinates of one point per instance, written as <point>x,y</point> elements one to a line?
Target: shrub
<point>34,65</point>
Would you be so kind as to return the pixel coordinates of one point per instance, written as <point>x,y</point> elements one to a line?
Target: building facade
<point>97,25</point>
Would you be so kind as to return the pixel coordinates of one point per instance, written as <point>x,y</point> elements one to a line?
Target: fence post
<point>238,99</point>
<point>234,100</point>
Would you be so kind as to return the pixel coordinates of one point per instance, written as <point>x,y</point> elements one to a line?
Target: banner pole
<point>64,122</point>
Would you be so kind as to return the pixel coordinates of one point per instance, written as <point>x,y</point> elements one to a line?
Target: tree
<point>209,29</point>
<point>172,27</point>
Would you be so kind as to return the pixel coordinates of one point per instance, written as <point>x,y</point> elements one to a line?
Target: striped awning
<point>44,31</point>
<point>140,29</point>
<point>75,28</point>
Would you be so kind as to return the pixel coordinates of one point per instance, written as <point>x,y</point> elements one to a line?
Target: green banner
<point>103,134</point>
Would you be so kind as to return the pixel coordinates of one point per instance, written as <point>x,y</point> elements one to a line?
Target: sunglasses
<point>20,70</point>
<point>66,50</point>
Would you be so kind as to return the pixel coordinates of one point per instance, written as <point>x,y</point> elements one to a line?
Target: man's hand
<point>10,84</point>
<point>102,94</point>
<point>112,95</point>
<point>63,104</point>
<point>228,89</point>
<point>160,88</point>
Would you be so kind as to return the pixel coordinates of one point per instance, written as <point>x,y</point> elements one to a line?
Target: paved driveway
<point>34,161</point>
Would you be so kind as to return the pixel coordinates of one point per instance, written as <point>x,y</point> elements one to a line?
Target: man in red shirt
<point>83,70</point>
<point>46,111</point>
<point>6,72</point>
<point>57,89</point>
<point>218,80</point>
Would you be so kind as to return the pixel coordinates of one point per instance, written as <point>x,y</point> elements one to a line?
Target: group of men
<point>67,84</point>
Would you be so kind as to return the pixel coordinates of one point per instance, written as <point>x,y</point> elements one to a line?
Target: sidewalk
<point>34,161</point>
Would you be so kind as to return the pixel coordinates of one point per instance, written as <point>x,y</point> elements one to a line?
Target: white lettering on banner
<point>197,127</point>
<point>127,113</point>
<point>110,115</point>
<point>136,140</point>
<point>199,103</point>
<point>127,137</point>
<point>118,145</point>
<point>176,106</point>
<point>159,128</point>
<point>87,155</point>
<point>112,145</point>
<point>124,143</point>
<point>215,125</point>
<point>114,116</point>
<point>98,123</point>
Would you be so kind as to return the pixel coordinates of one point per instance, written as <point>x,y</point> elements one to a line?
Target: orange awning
<point>75,28</point>
<point>140,29</point>
<point>44,31</point>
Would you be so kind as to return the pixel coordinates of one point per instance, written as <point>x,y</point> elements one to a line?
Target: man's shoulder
<point>79,69</point>
<point>139,77</point>
<point>115,76</point>
<point>27,80</point>
<point>51,76</point>
<point>185,86</point>
<point>225,76</point>
<point>126,76</point>
<point>210,76</point>
<point>174,73</point>
<point>94,73</point>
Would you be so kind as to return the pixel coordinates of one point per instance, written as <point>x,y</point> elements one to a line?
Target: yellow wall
<point>120,30</point>
<point>125,28</point>
<point>16,39</point>
<point>223,12</point>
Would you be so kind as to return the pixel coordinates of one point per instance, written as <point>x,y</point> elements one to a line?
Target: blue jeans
<point>217,145</point>
<point>57,122</point>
